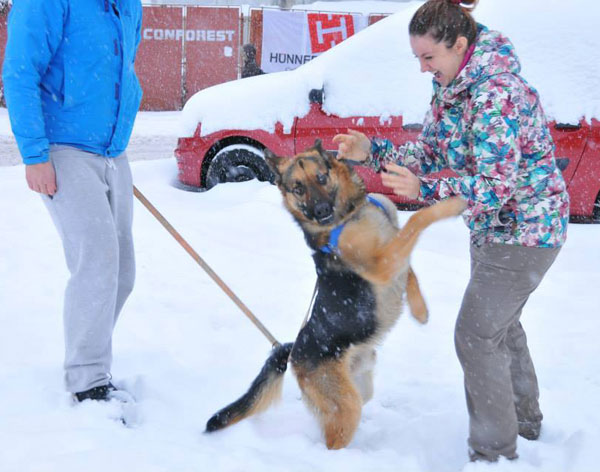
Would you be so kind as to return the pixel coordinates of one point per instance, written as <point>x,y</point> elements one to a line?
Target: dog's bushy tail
<point>263,392</point>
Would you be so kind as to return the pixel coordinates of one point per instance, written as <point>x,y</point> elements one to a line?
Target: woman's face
<point>442,61</point>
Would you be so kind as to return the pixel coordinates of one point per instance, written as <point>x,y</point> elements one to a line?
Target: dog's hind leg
<point>361,368</point>
<point>329,390</point>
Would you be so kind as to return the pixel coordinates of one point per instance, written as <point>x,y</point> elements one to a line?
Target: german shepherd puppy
<point>362,263</point>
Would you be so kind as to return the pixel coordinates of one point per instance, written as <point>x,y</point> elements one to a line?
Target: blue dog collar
<point>332,246</point>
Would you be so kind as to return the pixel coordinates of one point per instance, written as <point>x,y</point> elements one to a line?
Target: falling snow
<point>183,348</point>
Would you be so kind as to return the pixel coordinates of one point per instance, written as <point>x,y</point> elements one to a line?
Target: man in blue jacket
<point>72,96</point>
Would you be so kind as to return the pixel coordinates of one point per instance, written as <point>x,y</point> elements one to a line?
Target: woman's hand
<point>354,145</point>
<point>402,181</point>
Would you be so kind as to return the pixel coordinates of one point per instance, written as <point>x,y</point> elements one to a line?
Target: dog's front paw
<point>452,206</point>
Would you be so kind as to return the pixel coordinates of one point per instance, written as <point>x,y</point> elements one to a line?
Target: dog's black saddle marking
<point>343,313</point>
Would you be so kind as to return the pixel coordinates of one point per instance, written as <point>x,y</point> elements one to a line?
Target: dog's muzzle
<point>323,213</point>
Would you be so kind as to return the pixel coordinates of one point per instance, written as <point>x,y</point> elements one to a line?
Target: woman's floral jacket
<point>488,126</point>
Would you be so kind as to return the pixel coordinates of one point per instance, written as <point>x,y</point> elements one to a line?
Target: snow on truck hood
<point>374,73</point>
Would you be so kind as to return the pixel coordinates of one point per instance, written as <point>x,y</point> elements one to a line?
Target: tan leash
<point>310,306</point>
<point>206,267</point>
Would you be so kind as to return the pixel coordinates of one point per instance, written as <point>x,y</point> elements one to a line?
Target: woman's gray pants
<point>92,211</point>
<point>500,382</point>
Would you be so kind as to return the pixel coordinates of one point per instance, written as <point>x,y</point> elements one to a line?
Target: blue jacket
<point>69,77</point>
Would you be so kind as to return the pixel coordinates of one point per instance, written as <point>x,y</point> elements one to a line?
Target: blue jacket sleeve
<point>34,33</point>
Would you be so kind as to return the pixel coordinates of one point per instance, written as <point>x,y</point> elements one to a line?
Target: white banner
<point>292,38</point>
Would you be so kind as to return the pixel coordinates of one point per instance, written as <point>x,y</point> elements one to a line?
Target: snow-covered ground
<point>185,350</point>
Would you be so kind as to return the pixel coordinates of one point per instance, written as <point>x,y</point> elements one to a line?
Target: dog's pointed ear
<point>277,164</point>
<point>330,157</point>
<point>318,146</point>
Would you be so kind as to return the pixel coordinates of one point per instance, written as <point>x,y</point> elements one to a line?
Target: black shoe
<point>122,403</point>
<point>530,429</point>
<point>475,456</point>
<point>102,393</point>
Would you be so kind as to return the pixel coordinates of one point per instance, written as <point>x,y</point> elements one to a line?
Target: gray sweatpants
<point>500,381</point>
<point>92,210</point>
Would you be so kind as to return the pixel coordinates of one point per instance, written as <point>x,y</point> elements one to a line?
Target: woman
<point>485,123</point>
